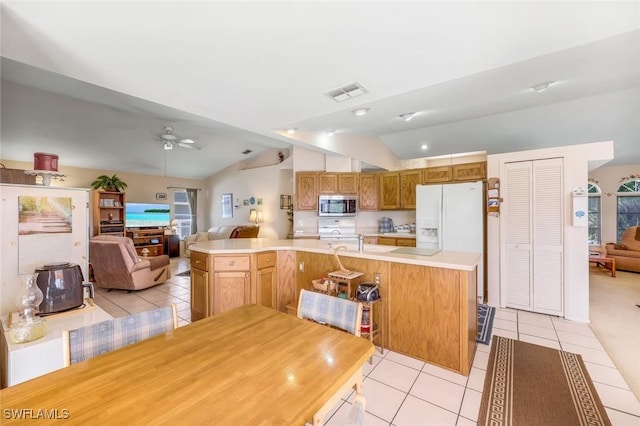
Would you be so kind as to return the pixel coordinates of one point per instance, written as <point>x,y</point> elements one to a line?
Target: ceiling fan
<point>170,140</point>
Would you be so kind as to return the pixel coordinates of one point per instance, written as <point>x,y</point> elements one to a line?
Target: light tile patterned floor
<point>404,391</point>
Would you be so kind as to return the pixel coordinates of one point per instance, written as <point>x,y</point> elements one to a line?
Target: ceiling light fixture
<point>168,146</point>
<point>360,111</point>
<point>541,87</point>
<point>407,116</point>
<point>424,147</point>
<point>291,130</point>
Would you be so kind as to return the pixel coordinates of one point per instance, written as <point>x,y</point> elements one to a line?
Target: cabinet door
<point>371,240</point>
<point>386,241</point>
<point>443,337</point>
<point>266,287</point>
<point>347,183</point>
<point>199,294</point>
<point>470,171</point>
<point>389,191</point>
<point>307,191</point>
<point>327,183</point>
<point>230,290</point>
<point>408,305</point>
<point>406,242</point>
<point>368,192</point>
<point>437,174</point>
<point>408,181</point>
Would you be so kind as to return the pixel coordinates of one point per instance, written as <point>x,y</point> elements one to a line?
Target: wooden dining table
<point>251,365</point>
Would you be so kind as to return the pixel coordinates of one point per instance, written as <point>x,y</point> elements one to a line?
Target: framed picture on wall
<point>227,206</point>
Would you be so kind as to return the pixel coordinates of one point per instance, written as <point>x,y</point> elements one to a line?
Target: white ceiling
<point>95,82</point>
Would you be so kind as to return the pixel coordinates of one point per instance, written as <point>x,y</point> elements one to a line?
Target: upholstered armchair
<point>627,253</point>
<point>116,264</point>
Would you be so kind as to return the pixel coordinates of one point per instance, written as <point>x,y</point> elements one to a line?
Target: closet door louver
<point>517,192</point>
<point>533,212</point>
<point>548,236</point>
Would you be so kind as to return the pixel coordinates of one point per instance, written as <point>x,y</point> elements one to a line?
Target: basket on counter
<point>324,285</point>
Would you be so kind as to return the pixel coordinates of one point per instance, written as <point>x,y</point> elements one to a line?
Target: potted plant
<point>109,183</point>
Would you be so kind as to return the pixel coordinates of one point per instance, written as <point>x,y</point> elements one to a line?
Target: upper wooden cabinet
<point>409,179</point>
<point>368,192</point>
<point>437,174</point>
<point>307,190</point>
<point>470,171</point>
<point>337,183</point>
<point>389,191</point>
<point>347,183</point>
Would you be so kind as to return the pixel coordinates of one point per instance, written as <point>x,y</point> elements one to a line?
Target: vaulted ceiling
<point>96,82</point>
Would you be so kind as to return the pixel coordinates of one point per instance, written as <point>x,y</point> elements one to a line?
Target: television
<point>147,215</point>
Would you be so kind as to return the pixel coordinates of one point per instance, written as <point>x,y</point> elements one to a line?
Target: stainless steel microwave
<point>337,205</point>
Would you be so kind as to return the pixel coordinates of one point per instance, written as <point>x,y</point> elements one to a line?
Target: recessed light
<point>291,130</point>
<point>541,87</point>
<point>408,116</point>
<point>424,147</point>
<point>360,111</point>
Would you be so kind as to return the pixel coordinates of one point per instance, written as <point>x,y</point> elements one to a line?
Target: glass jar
<point>30,326</point>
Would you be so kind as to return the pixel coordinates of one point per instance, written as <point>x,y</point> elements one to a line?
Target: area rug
<point>528,384</point>
<point>485,323</point>
<point>184,274</point>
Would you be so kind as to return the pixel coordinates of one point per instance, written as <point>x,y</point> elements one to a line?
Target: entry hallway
<point>404,391</point>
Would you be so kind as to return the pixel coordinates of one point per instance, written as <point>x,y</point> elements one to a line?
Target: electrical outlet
<point>301,266</point>
<point>376,278</point>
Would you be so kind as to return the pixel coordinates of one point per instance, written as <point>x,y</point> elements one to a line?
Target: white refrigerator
<point>451,217</point>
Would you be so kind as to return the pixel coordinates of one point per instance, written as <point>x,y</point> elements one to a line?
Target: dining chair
<point>339,313</point>
<point>92,340</point>
<point>330,310</point>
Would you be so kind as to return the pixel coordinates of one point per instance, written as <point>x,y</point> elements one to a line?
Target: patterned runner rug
<point>485,323</point>
<point>528,384</point>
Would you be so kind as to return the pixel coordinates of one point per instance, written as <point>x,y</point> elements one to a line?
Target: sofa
<point>220,233</point>
<point>116,264</point>
<point>627,253</point>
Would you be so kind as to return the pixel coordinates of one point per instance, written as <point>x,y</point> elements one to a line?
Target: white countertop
<point>463,261</point>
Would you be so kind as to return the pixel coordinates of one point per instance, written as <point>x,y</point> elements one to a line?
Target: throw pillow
<point>202,236</point>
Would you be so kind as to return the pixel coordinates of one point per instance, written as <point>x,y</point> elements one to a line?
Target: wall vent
<point>344,93</point>
<point>247,151</point>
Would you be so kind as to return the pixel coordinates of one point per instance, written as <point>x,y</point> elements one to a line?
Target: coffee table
<point>606,262</point>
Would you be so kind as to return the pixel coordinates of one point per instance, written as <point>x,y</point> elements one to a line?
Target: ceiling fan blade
<point>191,145</point>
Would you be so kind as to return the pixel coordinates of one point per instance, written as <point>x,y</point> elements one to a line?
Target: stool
<point>373,332</point>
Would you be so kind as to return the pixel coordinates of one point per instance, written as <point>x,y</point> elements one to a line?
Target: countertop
<point>463,261</point>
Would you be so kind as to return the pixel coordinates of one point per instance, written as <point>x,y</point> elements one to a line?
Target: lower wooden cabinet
<point>199,294</point>
<point>400,242</point>
<point>266,279</point>
<point>230,290</point>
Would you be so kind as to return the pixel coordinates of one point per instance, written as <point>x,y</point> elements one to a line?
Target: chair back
<point>245,232</point>
<point>112,258</point>
<point>335,311</point>
<point>96,339</point>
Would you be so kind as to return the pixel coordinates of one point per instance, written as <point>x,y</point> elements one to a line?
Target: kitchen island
<point>428,302</point>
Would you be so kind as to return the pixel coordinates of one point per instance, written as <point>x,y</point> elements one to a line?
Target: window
<point>628,206</point>
<point>184,211</point>
<point>595,217</point>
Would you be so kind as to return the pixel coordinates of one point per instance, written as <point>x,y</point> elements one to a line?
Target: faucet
<point>360,243</point>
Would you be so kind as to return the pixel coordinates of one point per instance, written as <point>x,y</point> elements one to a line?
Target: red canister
<point>44,161</point>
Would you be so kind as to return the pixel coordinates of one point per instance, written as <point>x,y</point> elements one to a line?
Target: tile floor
<point>401,390</point>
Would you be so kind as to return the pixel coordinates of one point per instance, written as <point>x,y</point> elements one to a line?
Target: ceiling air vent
<point>349,91</point>
<point>247,151</point>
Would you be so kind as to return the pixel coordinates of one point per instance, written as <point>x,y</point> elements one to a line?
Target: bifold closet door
<point>533,269</point>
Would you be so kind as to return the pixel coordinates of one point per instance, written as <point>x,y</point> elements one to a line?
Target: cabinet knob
<point>197,261</point>
<point>231,263</point>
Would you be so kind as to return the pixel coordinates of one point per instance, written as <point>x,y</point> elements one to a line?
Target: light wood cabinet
<point>307,191</point>
<point>397,241</point>
<point>108,211</point>
<point>231,282</point>
<point>200,294</point>
<point>389,191</point>
<point>437,174</point>
<point>370,240</point>
<point>368,191</point>
<point>409,179</point>
<point>266,279</point>
<point>327,183</point>
<point>150,239</point>
<point>347,183</point>
<point>469,172</point>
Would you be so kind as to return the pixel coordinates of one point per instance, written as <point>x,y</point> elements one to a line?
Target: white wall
<point>609,180</point>
<point>267,183</point>
<point>576,160</point>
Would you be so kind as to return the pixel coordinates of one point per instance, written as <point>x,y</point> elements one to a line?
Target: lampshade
<point>255,216</point>
<point>174,222</point>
